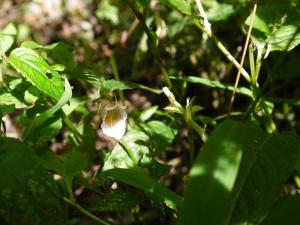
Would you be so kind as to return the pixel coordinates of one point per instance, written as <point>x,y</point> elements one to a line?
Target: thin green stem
<point>86,213</point>
<point>152,40</point>
<point>252,66</point>
<point>224,50</point>
<point>116,75</point>
<point>70,125</point>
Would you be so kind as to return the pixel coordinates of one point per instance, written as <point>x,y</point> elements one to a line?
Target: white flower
<point>114,120</point>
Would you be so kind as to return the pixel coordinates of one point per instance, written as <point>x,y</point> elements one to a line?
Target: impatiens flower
<point>113,119</point>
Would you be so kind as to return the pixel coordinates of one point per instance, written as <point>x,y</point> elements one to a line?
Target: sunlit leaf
<point>234,175</point>
<point>180,5</point>
<point>276,25</point>
<point>33,67</point>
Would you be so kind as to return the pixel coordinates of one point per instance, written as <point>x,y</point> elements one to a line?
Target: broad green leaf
<point>112,85</point>
<point>28,194</point>
<point>40,119</point>
<point>276,25</point>
<point>67,165</point>
<point>275,160</point>
<point>286,211</point>
<point>139,179</point>
<point>215,84</point>
<point>134,147</point>
<point>180,5</point>
<point>238,175</point>
<point>33,67</point>
<point>213,175</point>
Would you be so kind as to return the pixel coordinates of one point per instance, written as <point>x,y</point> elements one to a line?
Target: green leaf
<point>5,109</point>
<point>218,11</point>
<point>238,175</point>
<point>31,95</point>
<point>139,179</point>
<point>33,67</point>
<point>40,139</point>
<point>112,85</point>
<point>108,11</point>
<point>67,165</point>
<point>28,194</point>
<point>117,201</point>
<point>40,119</point>
<point>212,177</point>
<point>276,157</point>
<point>134,147</point>
<point>276,25</point>
<point>7,38</point>
<point>146,114</point>
<point>215,84</point>
<point>180,5</point>
<point>286,211</point>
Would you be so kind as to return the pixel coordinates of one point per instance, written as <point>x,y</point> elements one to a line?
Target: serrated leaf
<point>180,5</point>
<point>276,25</point>
<point>28,194</point>
<point>139,179</point>
<point>33,67</point>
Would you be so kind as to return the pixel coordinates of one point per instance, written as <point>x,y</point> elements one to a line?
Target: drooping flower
<point>114,118</point>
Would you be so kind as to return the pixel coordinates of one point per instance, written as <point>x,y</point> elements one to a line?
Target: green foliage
<point>163,72</point>
<point>137,178</point>
<point>276,25</point>
<point>234,175</point>
<point>7,37</point>
<point>28,193</point>
<point>180,5</point>
<point>284,212</point>
<point>33,67</point>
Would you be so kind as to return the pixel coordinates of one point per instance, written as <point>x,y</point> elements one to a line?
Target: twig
<point>242,60</point>
<point>206,27</point>
<point>86,213</point>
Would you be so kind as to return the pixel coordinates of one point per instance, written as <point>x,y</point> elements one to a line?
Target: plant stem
<point>85,212</point>
<point>206,27</point>
<point>152,39</point>
<point>116,75</point>
<point>224,50</point>
<point>242,60</point>
<point>72,128</point>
